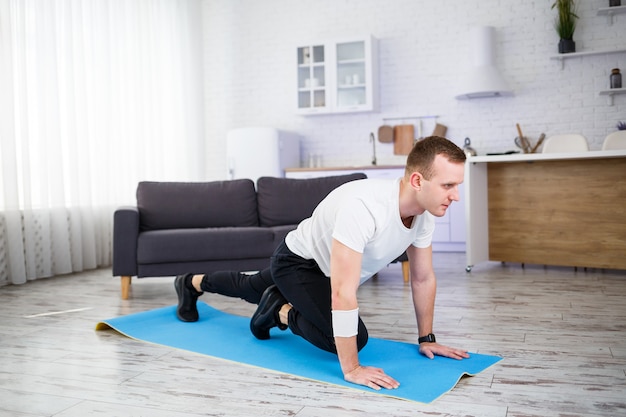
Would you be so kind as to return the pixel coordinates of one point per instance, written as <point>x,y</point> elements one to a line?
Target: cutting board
<point>440,130</point>
<point>403,139</point>
<point>385,134</point>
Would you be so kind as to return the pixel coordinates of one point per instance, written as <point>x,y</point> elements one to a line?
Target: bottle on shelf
<point>615,78</point>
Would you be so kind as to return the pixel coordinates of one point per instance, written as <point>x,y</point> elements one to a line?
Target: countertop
<point>345,168</point>
<point>516,157</point>
<point>521,157</point>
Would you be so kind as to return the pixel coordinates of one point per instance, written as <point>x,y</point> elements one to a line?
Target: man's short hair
<point>424,151</point>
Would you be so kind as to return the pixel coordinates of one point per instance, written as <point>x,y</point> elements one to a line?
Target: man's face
<point>443,187</point>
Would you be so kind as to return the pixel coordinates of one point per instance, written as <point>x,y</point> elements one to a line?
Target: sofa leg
<point>405,271</point>
<point>125,286</point>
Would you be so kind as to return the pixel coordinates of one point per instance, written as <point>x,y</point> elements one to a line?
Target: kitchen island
<point>565,209</point>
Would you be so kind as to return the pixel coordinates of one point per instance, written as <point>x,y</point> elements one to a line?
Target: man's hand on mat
<point>369,376</point>
<point>431,349</point>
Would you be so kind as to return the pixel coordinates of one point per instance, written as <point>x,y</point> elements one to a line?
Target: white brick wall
<point>249,55</point>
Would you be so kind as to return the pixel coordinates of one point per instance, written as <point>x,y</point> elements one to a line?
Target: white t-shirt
<point>365,216</point>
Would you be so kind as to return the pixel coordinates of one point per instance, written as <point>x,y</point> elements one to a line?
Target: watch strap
<point>430,338</point>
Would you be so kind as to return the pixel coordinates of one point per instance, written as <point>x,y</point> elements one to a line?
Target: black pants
<point>301,282</point>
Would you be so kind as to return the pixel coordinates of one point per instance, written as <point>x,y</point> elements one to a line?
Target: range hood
<point>483,79</point>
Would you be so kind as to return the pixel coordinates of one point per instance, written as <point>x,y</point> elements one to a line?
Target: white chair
<point>571,142</point>
<point>614,141</point>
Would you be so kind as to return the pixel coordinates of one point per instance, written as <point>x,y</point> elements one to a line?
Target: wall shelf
<point>609,12</point>
<point>563,57</point>
<point>610,93</point>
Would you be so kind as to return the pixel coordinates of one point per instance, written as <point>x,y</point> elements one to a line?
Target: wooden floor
<point>562,334</point>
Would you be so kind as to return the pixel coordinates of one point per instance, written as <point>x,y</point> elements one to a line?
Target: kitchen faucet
<point>373,140</point>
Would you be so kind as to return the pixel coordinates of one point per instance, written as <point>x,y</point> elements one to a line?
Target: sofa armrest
<point>125,236</point>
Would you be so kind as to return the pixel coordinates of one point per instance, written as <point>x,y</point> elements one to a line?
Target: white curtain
<point>95,95</point>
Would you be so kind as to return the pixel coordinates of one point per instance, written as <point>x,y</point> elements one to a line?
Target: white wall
<point>250,54</point>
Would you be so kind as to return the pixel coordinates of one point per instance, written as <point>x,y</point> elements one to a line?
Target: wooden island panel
<point>558,212</point>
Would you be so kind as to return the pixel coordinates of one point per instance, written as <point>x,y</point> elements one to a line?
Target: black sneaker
<point>187,297</point>
<point>266,315</point>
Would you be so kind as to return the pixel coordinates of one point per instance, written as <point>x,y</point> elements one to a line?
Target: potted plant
<point>565,24</point>
<point>621,126</point>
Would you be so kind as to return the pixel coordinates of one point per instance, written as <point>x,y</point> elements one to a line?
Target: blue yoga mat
<point>227,336</point>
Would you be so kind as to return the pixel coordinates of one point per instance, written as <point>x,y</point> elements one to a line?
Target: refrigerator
<point>255,152</point>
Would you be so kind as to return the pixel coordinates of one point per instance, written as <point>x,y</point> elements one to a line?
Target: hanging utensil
<point>385,134</point>
<point>467,148</point>
<point>373,140</point>
<point>440,130</point>
<point>419,131</point>
<point>403,139</point>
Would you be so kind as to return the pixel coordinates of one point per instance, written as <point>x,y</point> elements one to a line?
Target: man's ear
<point>416,180</point>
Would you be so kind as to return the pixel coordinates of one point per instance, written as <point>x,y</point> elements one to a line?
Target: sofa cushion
<point>193,245</point>
<point>280,232</point>
<point>173,205</point>
<point>284,201</point>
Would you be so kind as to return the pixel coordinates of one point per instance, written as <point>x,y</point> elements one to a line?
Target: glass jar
<point>616,78</point>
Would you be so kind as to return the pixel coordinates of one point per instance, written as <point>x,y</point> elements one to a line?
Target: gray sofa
<point>203,227</point>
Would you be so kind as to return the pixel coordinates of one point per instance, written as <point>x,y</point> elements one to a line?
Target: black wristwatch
<point>430,338</point>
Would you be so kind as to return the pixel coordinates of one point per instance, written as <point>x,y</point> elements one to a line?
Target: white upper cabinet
<point>337,76</point>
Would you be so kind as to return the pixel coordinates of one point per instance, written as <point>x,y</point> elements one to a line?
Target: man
<point>358,229</point>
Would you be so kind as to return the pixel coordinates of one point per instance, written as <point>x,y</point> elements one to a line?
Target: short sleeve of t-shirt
<point>354,225</point>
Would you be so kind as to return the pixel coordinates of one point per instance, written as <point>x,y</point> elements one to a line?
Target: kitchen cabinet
<point>449,233</point>
<point>337,76</point>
